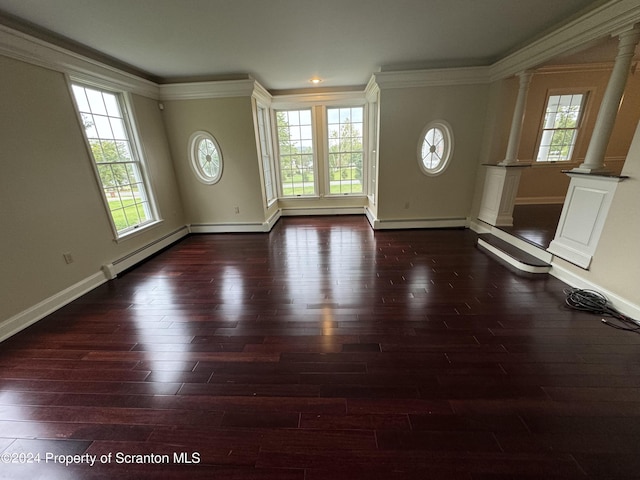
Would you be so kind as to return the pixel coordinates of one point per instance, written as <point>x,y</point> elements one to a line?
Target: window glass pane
<point>122,151</point>
<point>111,104</point>
<point>81,98</point>
<point>103,126</point>
<point>117,127</point>
<point>96,102</point>
<point>89,126</point>
<point>305,117</point>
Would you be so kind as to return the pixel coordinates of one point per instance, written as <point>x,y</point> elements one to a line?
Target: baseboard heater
<point>111,270</point>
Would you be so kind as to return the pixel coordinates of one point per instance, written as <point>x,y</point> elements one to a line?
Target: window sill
<point>300,197</point>
<point>137,231</point>
<point>349,195</point>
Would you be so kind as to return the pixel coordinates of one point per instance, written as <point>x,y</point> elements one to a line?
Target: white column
<point>517,120</point>
<point>594,158</point>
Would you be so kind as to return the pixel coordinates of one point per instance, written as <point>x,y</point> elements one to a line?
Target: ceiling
<point>283,43</point>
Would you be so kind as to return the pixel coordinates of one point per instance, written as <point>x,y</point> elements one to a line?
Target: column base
<point>590,170</point>
<point>499,195</point>
<point>583,215</point>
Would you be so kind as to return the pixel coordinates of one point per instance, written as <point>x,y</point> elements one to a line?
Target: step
<point>512,255</point>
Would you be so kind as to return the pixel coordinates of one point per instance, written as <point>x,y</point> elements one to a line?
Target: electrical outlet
<point>406,205</point>
<point>68,258</point>
<point>237,210</point>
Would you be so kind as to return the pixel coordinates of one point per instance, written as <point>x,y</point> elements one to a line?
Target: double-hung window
<point>296,152</point>
<point>561,124</point>
<point>321,151</point>
<point>345,150</point>
<point>107,128</point>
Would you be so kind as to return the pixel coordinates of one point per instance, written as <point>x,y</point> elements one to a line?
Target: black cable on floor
<point>595,302</point>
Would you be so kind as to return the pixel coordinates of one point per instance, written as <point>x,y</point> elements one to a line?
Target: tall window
<point>345,150</point>
<point>562,119</point>
<point>118,167</point>
<point>295,147</point>
<point>265,153</point>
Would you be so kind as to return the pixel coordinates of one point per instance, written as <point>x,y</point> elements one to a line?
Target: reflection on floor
<point>536,224</point>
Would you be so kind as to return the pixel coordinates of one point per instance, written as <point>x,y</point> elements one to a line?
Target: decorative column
<point>591,189</point>
<point>594,158</point>
<point>517,120</point>
<point>502,180</point>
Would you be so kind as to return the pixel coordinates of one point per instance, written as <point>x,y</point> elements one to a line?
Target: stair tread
<point>512,251</point>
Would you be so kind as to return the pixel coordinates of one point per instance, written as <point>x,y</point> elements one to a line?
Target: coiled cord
<point>595,302</point>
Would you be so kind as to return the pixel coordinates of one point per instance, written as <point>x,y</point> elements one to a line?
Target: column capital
<point>525,75</point>
<point>628,31</point>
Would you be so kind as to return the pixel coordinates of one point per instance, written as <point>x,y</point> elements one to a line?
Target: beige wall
<point>404,192</point>
<point>544,183</point>
<point>230,121</point>
<point>50,201</point>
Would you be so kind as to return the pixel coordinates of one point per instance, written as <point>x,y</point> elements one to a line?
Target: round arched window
<point>435,147</point>
<point>206,157</point>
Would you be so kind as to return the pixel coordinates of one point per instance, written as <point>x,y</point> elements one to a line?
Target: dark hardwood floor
<point>536,224</point>
<point>323,350</point>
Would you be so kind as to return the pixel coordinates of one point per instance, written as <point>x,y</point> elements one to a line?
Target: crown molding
<point>575,68</point>
<point>432,78</point>
<point>213,89</point>
<point>324,98</point>
<point>20,46</point>
<point>613,16</point>
<point>261,94</point>
<point>372,90</point>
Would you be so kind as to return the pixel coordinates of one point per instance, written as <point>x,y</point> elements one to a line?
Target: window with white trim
<point>265,154</point>
<point>107,128</point>
<point>296,153</point>
<point>345,150</point>
<point>435,147</point>
<point>561,124</point>
<point>206,157</point>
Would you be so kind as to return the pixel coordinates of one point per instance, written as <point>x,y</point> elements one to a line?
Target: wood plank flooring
<point>322,350</point>
<point>536,224</point>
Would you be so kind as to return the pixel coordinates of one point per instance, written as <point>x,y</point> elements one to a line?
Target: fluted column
<point>594,158</point>
<point>511,156</point>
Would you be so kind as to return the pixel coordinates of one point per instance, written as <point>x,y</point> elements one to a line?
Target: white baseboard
<point>111,270</point>
<point>229,227</point>
<point>623,305</point>
<point>49,305</point>
<point>293,212</point>
<point>401,224</point>
<point>271,221</point>
<point>370,217</point>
